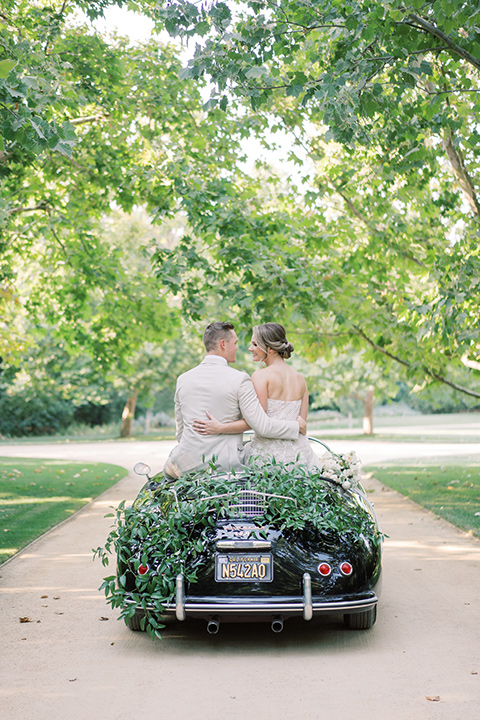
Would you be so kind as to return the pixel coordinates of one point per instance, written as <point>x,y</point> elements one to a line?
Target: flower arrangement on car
<point>345,469</point>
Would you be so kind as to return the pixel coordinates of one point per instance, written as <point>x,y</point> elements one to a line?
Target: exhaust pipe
<point>213,625</point>
<point>277,624</point>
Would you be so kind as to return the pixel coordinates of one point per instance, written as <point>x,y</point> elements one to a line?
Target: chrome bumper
<point>305,606</point>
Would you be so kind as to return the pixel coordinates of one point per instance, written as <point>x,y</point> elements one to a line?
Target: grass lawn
<point>451,491</point>
<point>35,495</point>
<point>96,434</point>
<point>452,428</point>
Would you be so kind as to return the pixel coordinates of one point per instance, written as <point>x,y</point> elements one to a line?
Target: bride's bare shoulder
<point>260,373</point>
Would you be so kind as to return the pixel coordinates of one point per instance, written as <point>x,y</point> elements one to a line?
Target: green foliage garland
<point>173,527</point>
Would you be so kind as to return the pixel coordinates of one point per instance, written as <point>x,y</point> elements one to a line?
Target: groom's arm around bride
<point>214,386</point>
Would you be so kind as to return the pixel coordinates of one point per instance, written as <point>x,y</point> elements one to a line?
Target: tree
<point>389,244</point>
<point>89,125</point>
<point>350,380</point>
<point>376,249</point>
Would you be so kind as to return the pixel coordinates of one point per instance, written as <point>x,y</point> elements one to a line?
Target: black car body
<point>252,568</point>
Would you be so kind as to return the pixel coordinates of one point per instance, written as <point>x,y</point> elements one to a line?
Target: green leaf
<point>256,72</point>
<point>6,66</point>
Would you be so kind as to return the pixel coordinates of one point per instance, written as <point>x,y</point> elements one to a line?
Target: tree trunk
<point>368,411</point>
<point>148,420</point>
<point>128,414</point>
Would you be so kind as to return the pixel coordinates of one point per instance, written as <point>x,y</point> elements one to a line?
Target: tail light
<point>143,569</point>
<point>346,568</point>
<point>324,569</point>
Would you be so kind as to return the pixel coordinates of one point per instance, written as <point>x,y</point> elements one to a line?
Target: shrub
<point>40,414</point>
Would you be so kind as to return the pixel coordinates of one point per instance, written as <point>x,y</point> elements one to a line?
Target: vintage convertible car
<point>231,547</point>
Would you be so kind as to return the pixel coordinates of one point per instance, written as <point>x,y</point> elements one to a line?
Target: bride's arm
<point>212,426</point>
<point>304,405</point>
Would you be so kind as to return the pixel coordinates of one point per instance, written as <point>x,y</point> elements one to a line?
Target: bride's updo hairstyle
<point>272,335</point>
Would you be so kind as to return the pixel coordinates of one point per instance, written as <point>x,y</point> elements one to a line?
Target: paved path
<point>74,660</point>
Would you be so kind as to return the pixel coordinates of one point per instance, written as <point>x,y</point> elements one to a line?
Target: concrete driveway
<point>72,659</point>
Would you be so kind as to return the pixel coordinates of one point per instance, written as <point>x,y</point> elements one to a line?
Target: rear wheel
<point>134,622</point>
<point>361,620</point>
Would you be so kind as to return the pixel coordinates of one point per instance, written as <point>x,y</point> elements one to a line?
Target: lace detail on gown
<point>285,451</point>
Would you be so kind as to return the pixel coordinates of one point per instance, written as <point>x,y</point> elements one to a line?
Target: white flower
<point>344,469</point>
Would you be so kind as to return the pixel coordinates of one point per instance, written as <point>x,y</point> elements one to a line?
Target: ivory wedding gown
<point>285,451</point>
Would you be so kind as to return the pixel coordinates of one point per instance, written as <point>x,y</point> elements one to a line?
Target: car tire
<point>361,620</point>
<point>133,623</point>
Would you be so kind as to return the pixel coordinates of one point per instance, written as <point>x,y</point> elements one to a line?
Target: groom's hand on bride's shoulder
<point>302,425</point>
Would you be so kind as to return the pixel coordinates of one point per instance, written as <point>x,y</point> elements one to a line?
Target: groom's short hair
<point>215,332</point>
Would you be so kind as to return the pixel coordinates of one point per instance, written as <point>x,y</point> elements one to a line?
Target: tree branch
<point>22,209</point>
<point>459,170</point>
<point>10,22</point>
<point>86,119</point>
<point>451,384</point>
<point>473,364</point>
<point>373,344</point>
<point>372,228</point>
<point>436,32</point>
<point>430,373</point>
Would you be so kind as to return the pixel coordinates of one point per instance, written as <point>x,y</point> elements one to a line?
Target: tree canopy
<point>89,125</point>
<point>373,245</point>
<point>382,99</point>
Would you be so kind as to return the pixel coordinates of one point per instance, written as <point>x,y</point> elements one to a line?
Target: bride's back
<point>281,381</point>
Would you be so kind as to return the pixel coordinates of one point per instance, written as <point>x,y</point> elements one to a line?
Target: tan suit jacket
<point>229,395</point>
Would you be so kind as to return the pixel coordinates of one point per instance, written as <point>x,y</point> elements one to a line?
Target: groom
<point>228,394</point>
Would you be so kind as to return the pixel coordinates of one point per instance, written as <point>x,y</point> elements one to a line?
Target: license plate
<point>243,568</point>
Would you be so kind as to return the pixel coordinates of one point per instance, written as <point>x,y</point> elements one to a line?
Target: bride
<point>282,392</point>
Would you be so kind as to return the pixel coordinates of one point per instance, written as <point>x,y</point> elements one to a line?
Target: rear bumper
<point>231,608</point>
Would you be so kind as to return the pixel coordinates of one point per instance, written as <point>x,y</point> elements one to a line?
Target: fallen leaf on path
<point>57,598</point>
<point>25,619</point>
<point>43,596</point>
<point>104,618</point>
<point>433,698</point>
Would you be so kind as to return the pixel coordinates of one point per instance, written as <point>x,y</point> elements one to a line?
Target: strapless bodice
<point>286,451</point>
<point>284,409</point>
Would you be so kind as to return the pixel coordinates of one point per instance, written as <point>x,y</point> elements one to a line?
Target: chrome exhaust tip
<point>277,624</point>
<point>213,626</point>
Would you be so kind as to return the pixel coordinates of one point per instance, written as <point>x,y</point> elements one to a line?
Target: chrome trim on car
<point>273,608</point>
<point>243,545</point>
<point>180,598</point>
<point>307,597</point>
<point>346,605</point>
<point>246,503</point>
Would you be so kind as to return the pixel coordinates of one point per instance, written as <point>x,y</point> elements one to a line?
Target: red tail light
<point>324,569</point>
<point>143,569</point>
<point>346,568</point>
